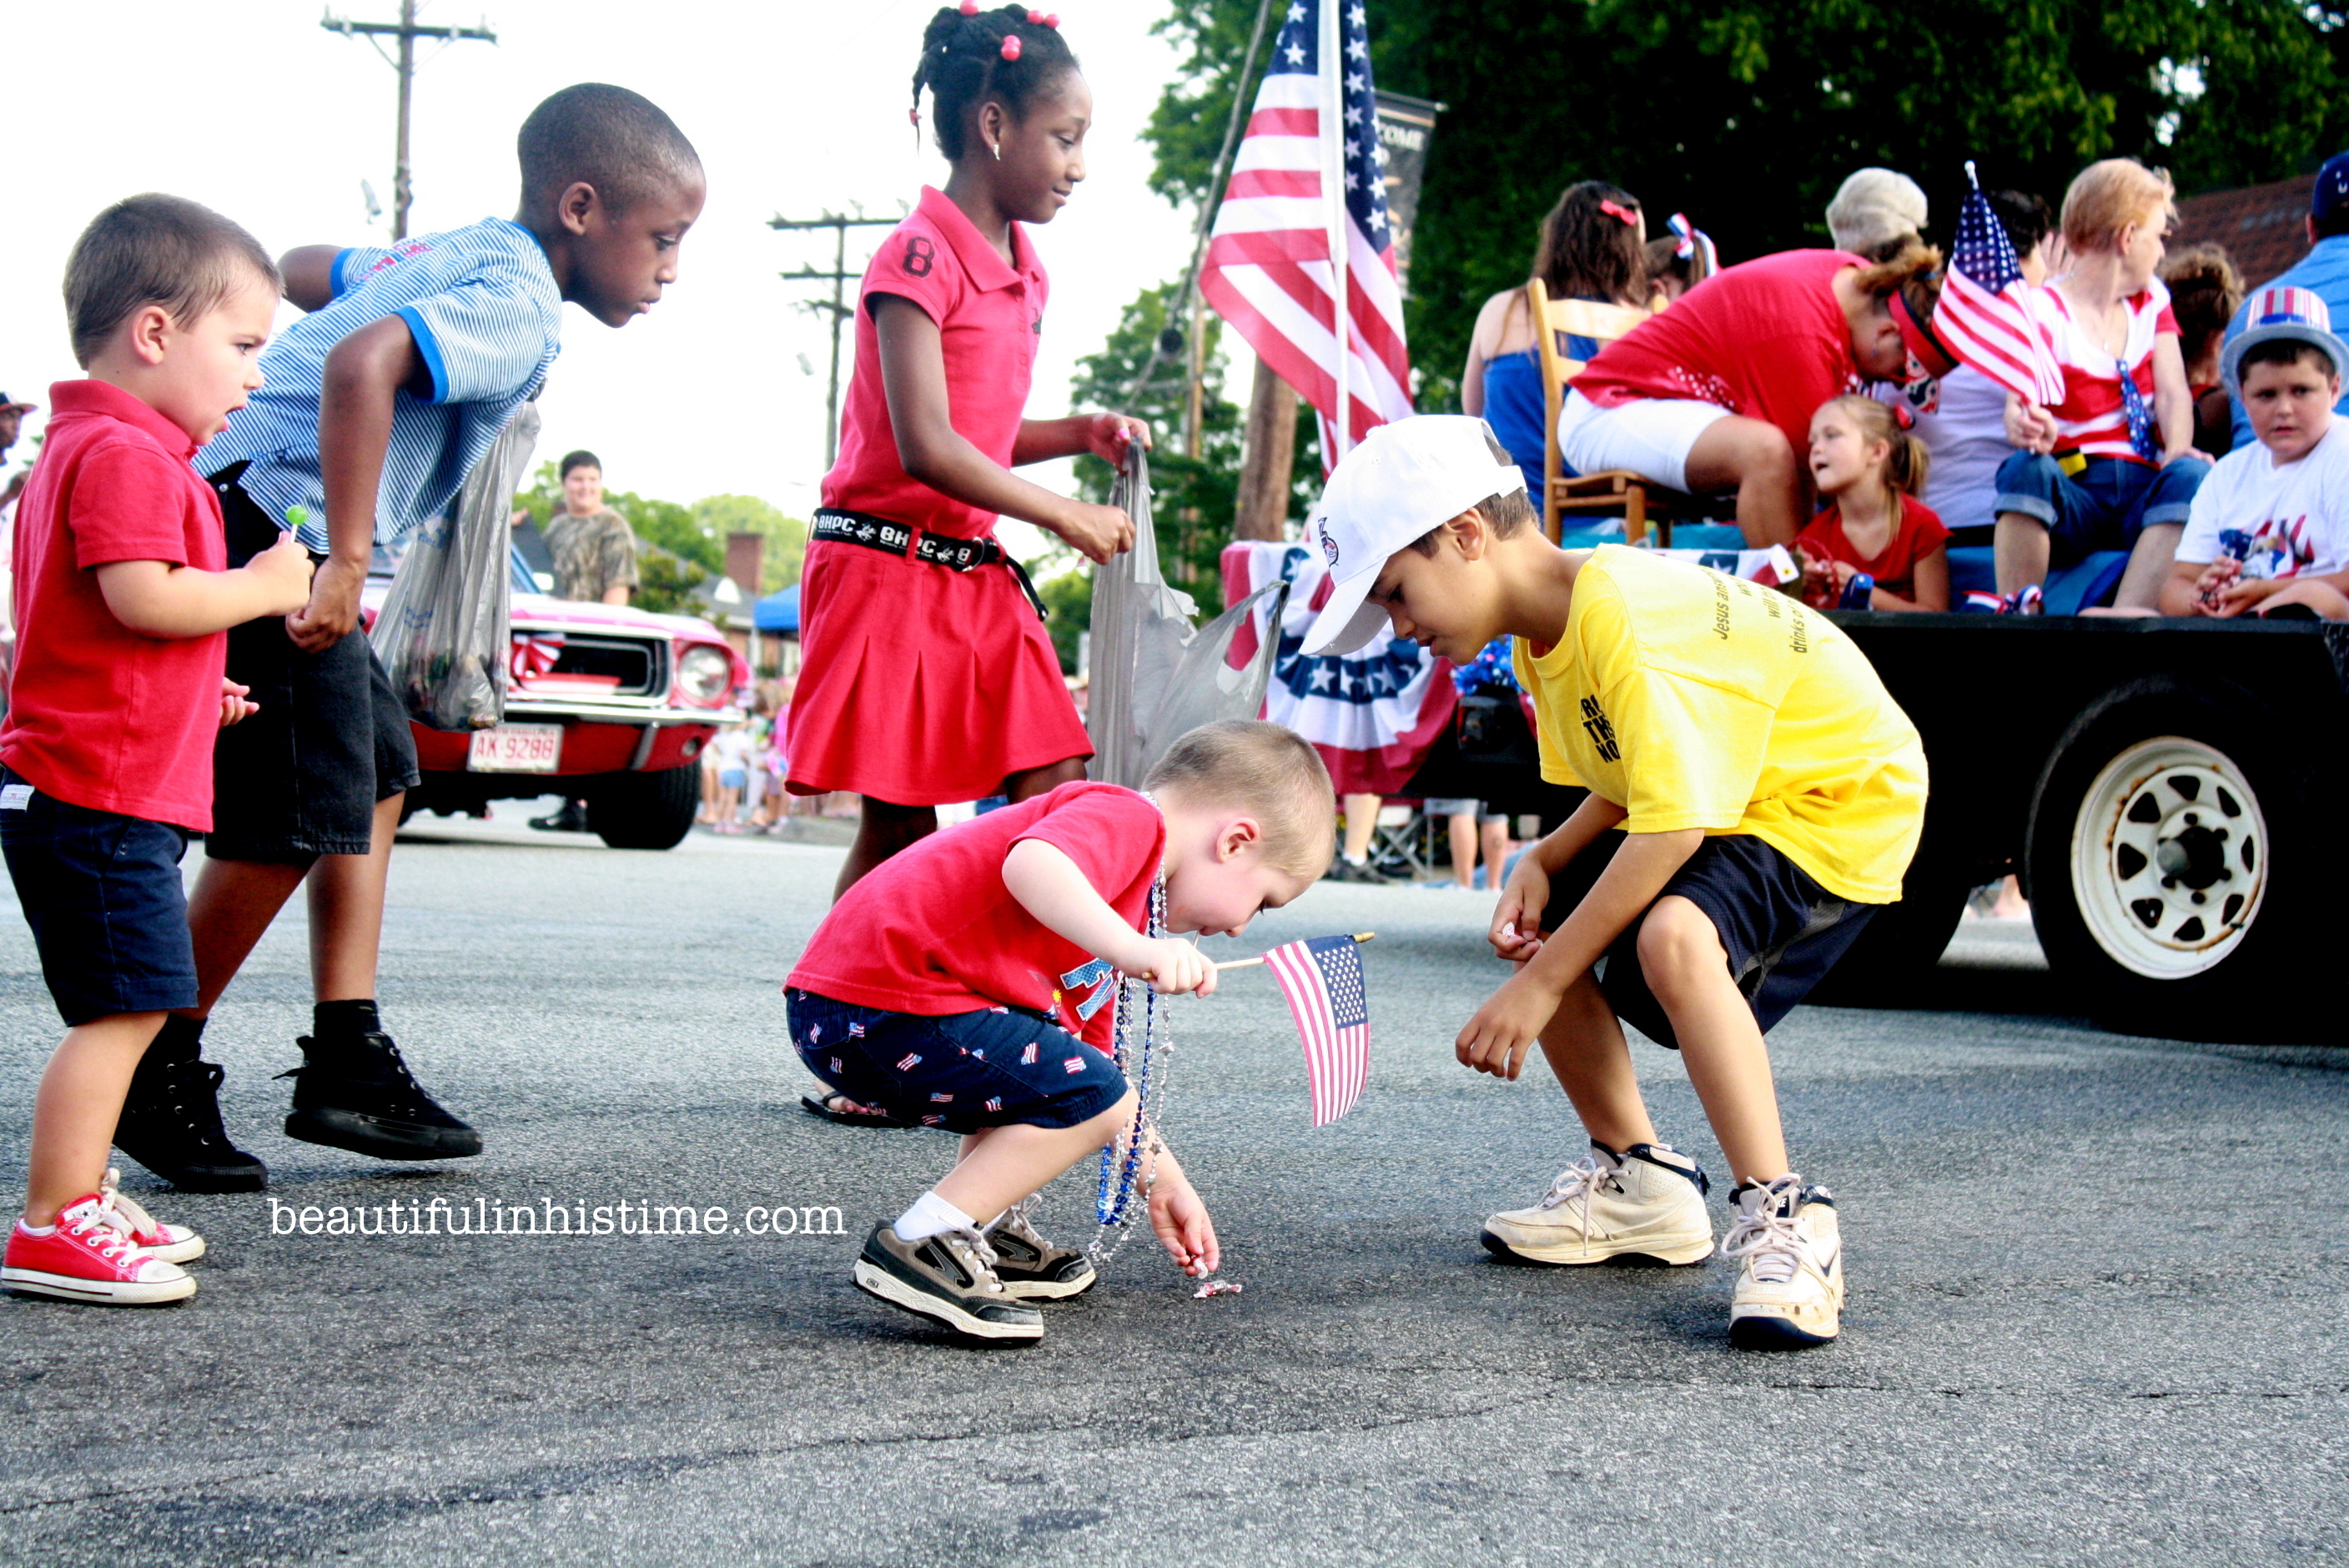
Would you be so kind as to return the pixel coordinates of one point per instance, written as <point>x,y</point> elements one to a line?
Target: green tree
<point>719,515</point>
<point>1068,612</point>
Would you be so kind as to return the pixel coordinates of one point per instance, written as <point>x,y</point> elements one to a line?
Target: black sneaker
<point>356,1093</point>
<point>571,819</point>
<point>949,1278</point>
<point>1031,1267</point>
<point>1342,870</point>
<point>170,1123</point>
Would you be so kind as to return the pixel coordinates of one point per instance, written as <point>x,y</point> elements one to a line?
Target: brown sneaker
<point>949,1278</point>
<point>1031,1267</point>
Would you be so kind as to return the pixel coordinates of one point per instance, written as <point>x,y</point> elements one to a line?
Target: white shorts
<point>1651,438</point>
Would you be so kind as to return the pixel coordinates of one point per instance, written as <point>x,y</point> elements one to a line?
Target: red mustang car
<point>607,704</point>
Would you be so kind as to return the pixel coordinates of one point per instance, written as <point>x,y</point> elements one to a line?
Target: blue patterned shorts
<point>963,1071</point>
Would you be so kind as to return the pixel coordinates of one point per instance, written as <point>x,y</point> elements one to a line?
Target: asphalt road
<point>2098,1288</point>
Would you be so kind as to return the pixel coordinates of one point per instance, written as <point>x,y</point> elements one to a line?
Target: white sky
<point>797,105</point>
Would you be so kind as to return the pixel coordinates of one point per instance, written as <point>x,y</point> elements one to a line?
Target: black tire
<point>645,810</point>
<point>2139,772</point>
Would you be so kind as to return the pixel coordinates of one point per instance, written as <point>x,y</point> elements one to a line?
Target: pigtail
<point>970,55</point>
<point>1905,470</point>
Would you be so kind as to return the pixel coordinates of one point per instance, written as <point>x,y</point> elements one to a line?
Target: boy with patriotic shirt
<point>1768,794</point>
<point>122,607</point>
<point>2270,529</point>
<point>411,361</point>
<point>969,982</point>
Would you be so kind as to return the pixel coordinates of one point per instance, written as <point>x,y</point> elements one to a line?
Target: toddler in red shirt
<point>970,982</point>
<point>1875,546</point>
<point>122,607</point>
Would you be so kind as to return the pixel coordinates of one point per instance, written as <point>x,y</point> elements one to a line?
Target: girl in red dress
<point>1875,546</point>
<point>928,676</point>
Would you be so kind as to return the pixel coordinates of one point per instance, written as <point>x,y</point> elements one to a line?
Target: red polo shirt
<point>990,318</point>
<point>98,715</point>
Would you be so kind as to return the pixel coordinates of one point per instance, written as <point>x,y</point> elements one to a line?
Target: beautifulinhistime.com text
<point>487,1217</point>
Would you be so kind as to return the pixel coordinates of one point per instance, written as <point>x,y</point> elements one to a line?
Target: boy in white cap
<point>1769,794</point>
<point>2268,534</point>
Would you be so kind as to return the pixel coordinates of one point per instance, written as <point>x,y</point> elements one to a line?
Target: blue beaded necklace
<point>1122,1178</point>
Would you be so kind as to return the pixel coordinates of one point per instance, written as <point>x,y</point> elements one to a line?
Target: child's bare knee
<point>1678,946</point>
<point>1106,1126</point>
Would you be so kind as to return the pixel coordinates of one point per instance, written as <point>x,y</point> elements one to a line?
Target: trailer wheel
<point>2169,846</point>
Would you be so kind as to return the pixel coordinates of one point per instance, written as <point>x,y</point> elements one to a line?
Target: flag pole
<point>1333,185</point>
<point>1360,937</point>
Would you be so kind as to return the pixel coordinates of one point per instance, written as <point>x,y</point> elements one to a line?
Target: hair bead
<point>1011,46</point>
<point>970,7</point>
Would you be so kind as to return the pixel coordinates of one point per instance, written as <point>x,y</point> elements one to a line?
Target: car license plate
<point>516,749</point>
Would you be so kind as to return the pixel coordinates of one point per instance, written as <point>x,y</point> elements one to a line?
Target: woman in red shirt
<point>1875,546</point>
<point>928,676</point>
<point>1717,393</point>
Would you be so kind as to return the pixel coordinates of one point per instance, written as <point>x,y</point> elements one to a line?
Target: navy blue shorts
<point>301,776</point>
<point>1782,931</point>
<point>102,894</point>
<point>995,1068</point>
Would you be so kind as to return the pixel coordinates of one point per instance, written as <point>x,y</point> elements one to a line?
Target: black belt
<point>912,543</point>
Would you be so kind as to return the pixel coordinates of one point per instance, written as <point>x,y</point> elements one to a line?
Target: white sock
<point>49,1229</point>
<point>930,1215</point>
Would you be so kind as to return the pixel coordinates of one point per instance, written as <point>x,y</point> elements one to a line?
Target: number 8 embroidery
<point>918,256</point>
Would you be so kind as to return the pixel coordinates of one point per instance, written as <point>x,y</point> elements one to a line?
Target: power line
<point>407,30</point>
<point>837,307</point>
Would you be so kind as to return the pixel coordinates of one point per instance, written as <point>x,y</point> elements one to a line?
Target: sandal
<point>840,1107</point>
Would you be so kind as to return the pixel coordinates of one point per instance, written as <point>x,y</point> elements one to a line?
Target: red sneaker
<point>173,1244</point>
<point>91,1256</point>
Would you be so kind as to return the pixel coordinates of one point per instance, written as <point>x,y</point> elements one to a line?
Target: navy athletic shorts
<point>102,893</point>
<point>1783,931</point>
<point>961,1071</point>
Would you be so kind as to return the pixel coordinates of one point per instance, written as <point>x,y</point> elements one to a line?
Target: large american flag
<point>1321,978</point>
<point>1314,136</point>
<point>1987,316</point>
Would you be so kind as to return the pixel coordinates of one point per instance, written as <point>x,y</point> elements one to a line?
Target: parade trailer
<point>2166,789</point>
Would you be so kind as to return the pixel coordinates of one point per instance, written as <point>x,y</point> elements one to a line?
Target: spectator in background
<point>2113,465</point>
<point>1876,213</point>
<point>11,425</point>
<point>1675,265</point>
<point>1875,546</point>
<point>1964,431</point>
<point>2323,272</point>
<point>1469,823</point>
<point>2205,292</point>
<point>1592,249</point>
<point>594,552</point>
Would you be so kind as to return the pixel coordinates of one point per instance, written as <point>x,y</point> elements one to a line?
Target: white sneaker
<point>1648,1202</point>
<point>1790,1287</point>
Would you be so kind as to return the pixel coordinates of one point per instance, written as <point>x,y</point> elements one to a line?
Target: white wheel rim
<point>2169,857</point>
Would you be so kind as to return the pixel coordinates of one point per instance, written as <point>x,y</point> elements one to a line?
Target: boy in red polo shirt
<point>122,607</point>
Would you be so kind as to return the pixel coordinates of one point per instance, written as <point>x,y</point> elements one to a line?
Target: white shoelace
<point>1575,1184</point>
<point>1766,1234</point>
<point>124,1214</point>
<point>974,1242</point>
<point>117,1242</point>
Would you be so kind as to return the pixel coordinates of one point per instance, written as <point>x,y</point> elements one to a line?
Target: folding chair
<point>1616,491</point>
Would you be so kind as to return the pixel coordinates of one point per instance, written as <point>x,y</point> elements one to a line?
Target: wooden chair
<point>1640,502</point>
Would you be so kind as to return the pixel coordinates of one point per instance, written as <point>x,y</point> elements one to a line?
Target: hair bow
<point>1693,241</point>
<point>1616,210</point>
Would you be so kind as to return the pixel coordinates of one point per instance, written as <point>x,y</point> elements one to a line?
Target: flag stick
<point>1360,936</point>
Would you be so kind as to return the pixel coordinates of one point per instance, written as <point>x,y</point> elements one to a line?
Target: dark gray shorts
<point>300,778</point>
<point>1783,931</point>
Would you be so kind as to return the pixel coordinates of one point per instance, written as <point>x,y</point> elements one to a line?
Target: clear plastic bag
<point>443,633</point>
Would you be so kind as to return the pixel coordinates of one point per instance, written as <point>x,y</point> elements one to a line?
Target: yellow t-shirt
<point>1694,700</point>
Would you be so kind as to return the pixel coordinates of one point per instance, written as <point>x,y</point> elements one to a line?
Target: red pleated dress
<point>920,685</point>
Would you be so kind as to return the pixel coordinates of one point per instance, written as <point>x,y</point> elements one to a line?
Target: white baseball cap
<point>1405,478</point>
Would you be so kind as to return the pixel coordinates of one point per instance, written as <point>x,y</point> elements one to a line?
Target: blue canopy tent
<point>778,612</point>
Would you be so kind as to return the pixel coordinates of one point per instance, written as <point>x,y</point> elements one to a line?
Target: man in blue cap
<point>2323,272</point>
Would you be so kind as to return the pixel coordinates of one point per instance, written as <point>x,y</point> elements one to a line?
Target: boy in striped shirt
<point>2113,466</point>
<point>410,362</point>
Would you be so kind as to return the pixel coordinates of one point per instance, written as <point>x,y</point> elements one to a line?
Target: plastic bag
<point>443,633</point>
<point>1154,675</point>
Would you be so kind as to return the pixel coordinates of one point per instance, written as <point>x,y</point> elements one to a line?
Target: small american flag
<point>1986,315</point>
<point>1309,185</point>
<point>1321,979</point>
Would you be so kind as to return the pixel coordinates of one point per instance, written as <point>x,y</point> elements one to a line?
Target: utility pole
<point>407,31</point>
<point>837,307</point>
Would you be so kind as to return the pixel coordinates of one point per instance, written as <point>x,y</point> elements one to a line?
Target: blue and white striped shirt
<point>486,315</point>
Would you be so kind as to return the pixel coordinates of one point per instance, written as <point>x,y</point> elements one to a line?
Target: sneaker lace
<point>191,1090</point>
<point>1575,1184</point>
<point>1014,1220</point>
<point>1765,1233</point>
<point>115,1241</point>
<point>979,1257</point>
<point>125,1213</point>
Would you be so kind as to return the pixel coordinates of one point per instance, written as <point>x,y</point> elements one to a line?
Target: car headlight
<point>704,676</point>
